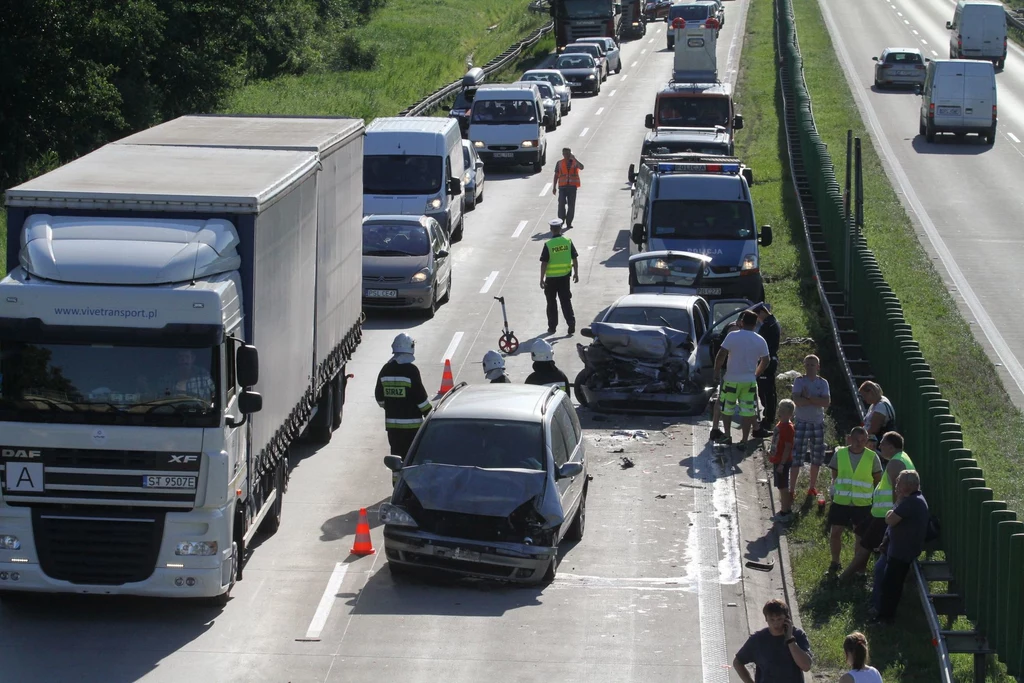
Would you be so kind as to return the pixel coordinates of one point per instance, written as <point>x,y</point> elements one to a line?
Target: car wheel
<point>618,69</point>
<point>990,136</point>
<point>549,575</point>
<point>430,310</point>
<point>579,522</point>
<point>878,84</point>
<point>447,290</point>
<point>929,131</point>
<point>1001,64</point>
<point>577,389</point>
<point>481,197</point>
<point>457,234</point>
<point>921,130</point>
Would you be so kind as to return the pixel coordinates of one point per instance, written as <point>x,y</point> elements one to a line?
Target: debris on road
<point>761,566</point>
<point>627,463</point>
<point>617,450</point>
<point>662,496</point>
<point>631,433</point>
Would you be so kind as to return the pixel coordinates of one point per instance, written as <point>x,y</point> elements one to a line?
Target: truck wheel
<point>921,130</point>
<point>338,385</point>
<point>320,427</point>
<point>272,522</point>
<point>990,136</point>
<point>929,132</point>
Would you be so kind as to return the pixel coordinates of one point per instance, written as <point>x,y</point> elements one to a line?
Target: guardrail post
<point>976,497</point>
<point>1015,606</point>
<point>970,478</point>
<point>847,214</point>
<point>992,512</point>
<point>1006,575</point>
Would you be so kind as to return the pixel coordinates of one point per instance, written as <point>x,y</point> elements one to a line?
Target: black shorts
<point>781,479</point>
<point>848,515</point>
<point>871,532</point>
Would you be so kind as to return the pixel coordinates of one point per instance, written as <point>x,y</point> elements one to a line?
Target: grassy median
<point>829,612</point>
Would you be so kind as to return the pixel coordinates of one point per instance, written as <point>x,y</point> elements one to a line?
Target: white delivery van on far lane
<point>412,166</point>
<point>507,126</point>
<point>959,96</point>
<point>978,31</point>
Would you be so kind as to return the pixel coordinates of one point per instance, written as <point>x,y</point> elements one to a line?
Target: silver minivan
<point>959,96</point>
<point>978,31</point>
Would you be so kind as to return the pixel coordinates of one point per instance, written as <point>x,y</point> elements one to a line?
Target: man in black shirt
<point>904,541</point>
<point>779,653</point>
<point>766,391</point>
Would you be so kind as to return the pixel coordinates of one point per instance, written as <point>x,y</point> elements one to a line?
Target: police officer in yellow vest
<point>856,470</point>
<point>557,260</point>
<point>565,183</point>
<point>872,530</point>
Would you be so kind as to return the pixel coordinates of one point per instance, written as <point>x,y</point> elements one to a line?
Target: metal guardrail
<point>500,62</point>
<point>1015,18</point>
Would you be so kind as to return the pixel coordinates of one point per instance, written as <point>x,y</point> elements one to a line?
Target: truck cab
<point>695,105</point>
<point>703,207</point>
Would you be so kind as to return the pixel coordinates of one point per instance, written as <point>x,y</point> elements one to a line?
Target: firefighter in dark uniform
<point>766,390</point>
<point>494,368</point>
<point>545,372</point>
<point>401,394</point>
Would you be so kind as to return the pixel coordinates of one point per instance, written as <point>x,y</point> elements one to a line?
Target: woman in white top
<point>881,415</point>
<point>856,648</point>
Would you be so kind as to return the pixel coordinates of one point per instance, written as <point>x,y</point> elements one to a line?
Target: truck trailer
<point>576,19</point>
<point>179,309</point>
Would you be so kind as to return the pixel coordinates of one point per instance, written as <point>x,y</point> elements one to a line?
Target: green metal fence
<point>983,541</point>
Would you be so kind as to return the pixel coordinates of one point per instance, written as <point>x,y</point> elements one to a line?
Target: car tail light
<point>678,22</point>
<point>931,110</point>
<point>993,112</point>
<point>959,41</point>
<point>887,66</point>
<point>919,67</point>
<point>711,23</point>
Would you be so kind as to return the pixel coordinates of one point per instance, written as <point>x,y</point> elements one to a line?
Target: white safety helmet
<point>541,351</point>
<point>403,344</point>
<point>493,361</point>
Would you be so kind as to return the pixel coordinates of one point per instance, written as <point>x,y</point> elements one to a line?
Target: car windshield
<point>401,174</point>
<point>577,61</point>
<point>684,146</point>
<point>489,444</point>
<point>545,90</point>
<point>676,318</point>
<point>701,219</point>
<point>100,383</point>
<point>464,99</point>
<point>693,112</point>
<point>504,112</point>
<point>681,271</point>
<point>467,161</point>
<point>395,239</point>
<point>689,12</point>
<point>552,78</point>
<point>903,58</point>
<point>584,48</point>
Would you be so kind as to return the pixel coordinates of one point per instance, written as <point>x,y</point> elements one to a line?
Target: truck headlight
<point>420,276</point>
<point>196,548</point>
<point>479,144</point>
<point>529,143</point>
<point>749,262</point>
<point>9,542</point>
<point>396,516</point>
<point>434,204</point>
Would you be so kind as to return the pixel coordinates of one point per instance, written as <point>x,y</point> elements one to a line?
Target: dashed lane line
<point>547,186</point>
<point>450,351</point>
<point>521,226</point>
<point>489,281</point>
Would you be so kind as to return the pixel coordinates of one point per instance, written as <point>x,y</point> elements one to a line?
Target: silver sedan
<point>900,66</point>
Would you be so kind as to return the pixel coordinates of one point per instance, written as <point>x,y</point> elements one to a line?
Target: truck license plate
<point>949,111</point>
<point>457,554</point>
<point>381,293</point>
<point>503,155</point>
<point>168,482</point>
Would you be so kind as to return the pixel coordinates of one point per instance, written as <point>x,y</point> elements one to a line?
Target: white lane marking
<point>584,132</point>
<point>450,351</point>
<point>612,93</point>
<point>1003,352</point>
<point>934,53</point>
<point>547,186</point>
<point>1013,137</point>
<point>633,64</point>
<point>924,42</point>
<point>900,14</point>
<point>520,228</point>
<point>564,580</point>
<point>489,281</point>
<point>624,77</point>
<point>651,40</point>
<point>598,112</point>
<point>906,22</point>
<point>323,610</point>
<point>914,31</point>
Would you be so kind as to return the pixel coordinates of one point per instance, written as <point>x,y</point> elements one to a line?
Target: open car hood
<point>477,491</point>
<point>640,341</point>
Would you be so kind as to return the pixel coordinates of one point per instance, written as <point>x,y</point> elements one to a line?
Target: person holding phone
<point>779,653</point>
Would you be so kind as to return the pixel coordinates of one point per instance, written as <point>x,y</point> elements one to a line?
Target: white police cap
<point>555,222</point>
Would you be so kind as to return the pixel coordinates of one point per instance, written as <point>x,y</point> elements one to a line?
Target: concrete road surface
<point>964,196</point>
<point>655,592</point>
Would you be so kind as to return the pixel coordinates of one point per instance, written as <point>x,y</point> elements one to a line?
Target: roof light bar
<point>698,168</point>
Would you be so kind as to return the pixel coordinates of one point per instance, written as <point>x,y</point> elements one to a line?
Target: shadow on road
<point>344,525</point>
<point>951,145</point>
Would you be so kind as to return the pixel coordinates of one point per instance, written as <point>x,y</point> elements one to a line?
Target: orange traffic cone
<point>447,381</point>
<point>363,545</point>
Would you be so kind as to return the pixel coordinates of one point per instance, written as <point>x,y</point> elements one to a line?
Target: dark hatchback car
<point>496,478</point>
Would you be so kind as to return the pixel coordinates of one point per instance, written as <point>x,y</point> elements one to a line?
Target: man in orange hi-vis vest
<point>565,184</point>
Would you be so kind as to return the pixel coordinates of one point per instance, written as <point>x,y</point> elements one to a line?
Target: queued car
<point>557,81</point>
<point>611,51</point>
<point>552,109</point>
<point>581,72</point>
<point>595,51</point>
<point>495,480</point>
<point>657,10</point>
<point>690,12</point>
<point>473,183</point>
<point>900,66</point>
<point>406,263</point>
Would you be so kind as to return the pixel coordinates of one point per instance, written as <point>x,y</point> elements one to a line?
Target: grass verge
<point>903,653</point>
<point>420,46</point>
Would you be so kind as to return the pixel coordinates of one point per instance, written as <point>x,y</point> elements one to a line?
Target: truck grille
<point>86,477</point>
<point>97,549</point>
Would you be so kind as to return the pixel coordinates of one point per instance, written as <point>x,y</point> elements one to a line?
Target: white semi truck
<point>144,439</point>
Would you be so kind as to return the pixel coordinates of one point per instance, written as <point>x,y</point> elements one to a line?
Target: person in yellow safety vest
<point>557,260</point>
<point>545,372</point>
<point>565,183</point>
<point>856,471</point>
<point>872,530</point>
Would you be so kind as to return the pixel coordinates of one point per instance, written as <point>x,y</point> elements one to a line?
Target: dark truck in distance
<point>618,19</point>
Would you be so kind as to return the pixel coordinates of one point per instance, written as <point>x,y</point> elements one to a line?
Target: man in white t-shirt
<point>747,352</point>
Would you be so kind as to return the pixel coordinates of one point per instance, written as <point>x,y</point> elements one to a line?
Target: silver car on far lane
<point>900,66</point>
<point>557,81</point>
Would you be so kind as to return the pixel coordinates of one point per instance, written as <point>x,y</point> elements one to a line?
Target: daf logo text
<point>21,453</point>
<point>183,459</point>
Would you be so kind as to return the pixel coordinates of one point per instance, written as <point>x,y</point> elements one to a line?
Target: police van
<point>701,205</point>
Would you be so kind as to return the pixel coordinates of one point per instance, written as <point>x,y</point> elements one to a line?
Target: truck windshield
<point>683,146</point>
<point>401,174</point>
<point>693,112</point>
<point>504,112</point>
<point>579,9</point>
<point>108,384</point>
<point>490,444</point>
<point>700,219</point>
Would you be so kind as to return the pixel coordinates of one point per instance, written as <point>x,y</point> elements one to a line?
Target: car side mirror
<point>737,122</point>
<point>250,402</point>
<point>632,173</point>
<point>637,234</point>
<point>949,24</point>
<point>247,365</point>
<point>479,163</point>
<point>748,175</point>
<point>649,121</point>
<point>570,469</point>
<point>441,254</point>
<point>454,186</point>
<point>393,462</point>
<point>917,89</point>
<point>766,236</point>
<point>587,332</point>
<point>874,59</point>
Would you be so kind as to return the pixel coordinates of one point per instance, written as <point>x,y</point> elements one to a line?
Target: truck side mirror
<point>748,175</point>
<point>632,173</point>
<point>766,235</point>
<point>737,122</point>
<point>454,186</point>
<point>247,366</point>
<point>638,234</point>
<point>649,121</point>
<point>250,402</point>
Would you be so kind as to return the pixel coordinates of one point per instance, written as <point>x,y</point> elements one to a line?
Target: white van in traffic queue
<point>507,126</point>
<point>959,96</point>
<point>978,31</point>
<point>412,166</point>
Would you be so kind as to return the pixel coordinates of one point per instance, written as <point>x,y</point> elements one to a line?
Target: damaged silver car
<point>495,480</point>
<point>653,350</point>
